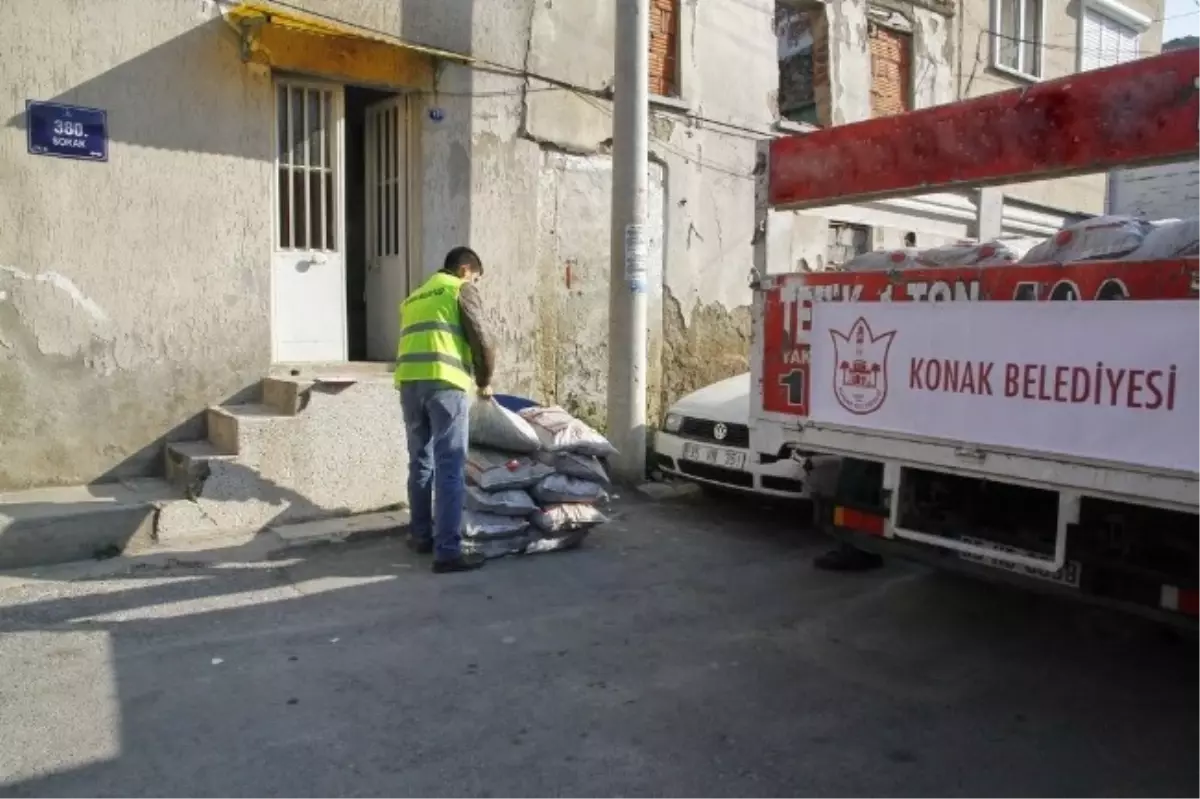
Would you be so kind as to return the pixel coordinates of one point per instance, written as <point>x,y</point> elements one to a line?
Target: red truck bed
<point>977,424</point>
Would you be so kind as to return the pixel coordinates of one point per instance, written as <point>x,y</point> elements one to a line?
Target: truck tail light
<point>1180,600</point>
<point>858,521</point>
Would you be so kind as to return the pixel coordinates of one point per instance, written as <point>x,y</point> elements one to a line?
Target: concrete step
<point>284,395</point>
<point>226,421</point>
<point>58,525</point>
<point>188,463</point>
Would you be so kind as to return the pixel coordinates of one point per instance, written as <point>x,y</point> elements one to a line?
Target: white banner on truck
<point>1114,381</point>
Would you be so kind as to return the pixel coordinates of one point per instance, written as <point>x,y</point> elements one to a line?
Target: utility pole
<point>627,277</point>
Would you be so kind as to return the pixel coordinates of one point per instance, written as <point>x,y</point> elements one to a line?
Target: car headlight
<point>673,422</point>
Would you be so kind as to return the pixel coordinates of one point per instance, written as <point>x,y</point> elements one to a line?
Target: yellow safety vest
<point>432,343</point>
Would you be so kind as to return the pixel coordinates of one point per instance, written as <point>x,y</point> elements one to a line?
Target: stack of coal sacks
<point>534,479</point>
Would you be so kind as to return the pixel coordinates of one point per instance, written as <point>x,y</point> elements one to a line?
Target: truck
<point>1032,422</point>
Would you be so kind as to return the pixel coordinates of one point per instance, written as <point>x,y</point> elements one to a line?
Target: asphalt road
<point>689,649</point>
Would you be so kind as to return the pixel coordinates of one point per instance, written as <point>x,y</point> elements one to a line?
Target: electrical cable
<point>605,93</point>
<point>723,168</point>
<point>495,67</point>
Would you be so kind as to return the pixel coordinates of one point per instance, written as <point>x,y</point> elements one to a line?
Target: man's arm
<point>483,353</point>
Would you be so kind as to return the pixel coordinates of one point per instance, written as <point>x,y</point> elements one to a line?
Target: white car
<point>706,439</point>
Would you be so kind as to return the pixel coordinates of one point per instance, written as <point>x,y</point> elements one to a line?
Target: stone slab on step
<point>343,370</point>
<point>289,395</point>
<point>59,525</point>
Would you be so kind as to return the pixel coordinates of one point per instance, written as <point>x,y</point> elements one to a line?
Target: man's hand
<point>484,392</point>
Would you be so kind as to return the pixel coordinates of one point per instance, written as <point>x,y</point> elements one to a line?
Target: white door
<point>387,224</point>
<point>308,267</point>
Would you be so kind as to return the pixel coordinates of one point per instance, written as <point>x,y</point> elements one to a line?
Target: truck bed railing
<point>1139,113</point>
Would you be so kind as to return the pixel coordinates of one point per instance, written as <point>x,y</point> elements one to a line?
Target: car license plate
<point>715,456</point>
<point>1068,575</point>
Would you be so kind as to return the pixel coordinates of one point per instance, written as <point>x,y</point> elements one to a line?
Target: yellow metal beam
<point>290,40</point>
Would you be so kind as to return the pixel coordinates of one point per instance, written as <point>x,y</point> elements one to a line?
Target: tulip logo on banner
<point>860,367</point>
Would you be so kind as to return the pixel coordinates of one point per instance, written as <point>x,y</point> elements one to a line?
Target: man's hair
<point>462,256</point>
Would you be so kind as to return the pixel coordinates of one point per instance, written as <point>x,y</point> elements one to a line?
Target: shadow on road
<point>688,649</point>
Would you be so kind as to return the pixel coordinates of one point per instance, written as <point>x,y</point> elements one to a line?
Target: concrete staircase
<point>319,443</point>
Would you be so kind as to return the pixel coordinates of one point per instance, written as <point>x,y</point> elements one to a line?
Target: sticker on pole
<point>636,251</point>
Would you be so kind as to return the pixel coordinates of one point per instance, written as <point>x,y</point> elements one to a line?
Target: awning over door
<point>289,39</point>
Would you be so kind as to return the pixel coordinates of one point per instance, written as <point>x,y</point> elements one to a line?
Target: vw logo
<point>720,431</point>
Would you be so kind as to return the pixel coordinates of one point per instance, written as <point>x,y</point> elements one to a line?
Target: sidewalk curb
<point>271,544</point>
<point>363,526</point>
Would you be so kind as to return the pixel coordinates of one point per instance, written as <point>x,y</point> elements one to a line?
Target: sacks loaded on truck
<point>1029,419</point>
<point>535,475</point>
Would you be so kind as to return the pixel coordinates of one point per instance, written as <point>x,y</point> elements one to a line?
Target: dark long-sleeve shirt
<point>483,351</point>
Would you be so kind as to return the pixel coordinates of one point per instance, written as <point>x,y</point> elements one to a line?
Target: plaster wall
<point>704,141</point>
<point>131,289</point>
<point>135,292</point>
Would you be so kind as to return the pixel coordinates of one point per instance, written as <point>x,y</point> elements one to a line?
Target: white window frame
<point>998,39</point>
<point>336,167</point>
<point>1117,12</point>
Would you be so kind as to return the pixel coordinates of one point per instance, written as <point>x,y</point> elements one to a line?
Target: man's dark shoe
<point>419,546</point>
<point>848,559</point>
<point>469,561</point>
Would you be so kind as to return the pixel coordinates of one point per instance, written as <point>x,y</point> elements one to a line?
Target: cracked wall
<point>700,315</point>
<point>574,212</point>
<point>134,293</point>
<point>706,143</point>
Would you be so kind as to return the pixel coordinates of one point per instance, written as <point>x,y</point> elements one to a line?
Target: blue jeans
<point>435,420</point>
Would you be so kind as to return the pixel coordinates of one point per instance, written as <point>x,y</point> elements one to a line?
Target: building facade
<point>277,175</point>
<point>847,61</point>
<point>855,60</point>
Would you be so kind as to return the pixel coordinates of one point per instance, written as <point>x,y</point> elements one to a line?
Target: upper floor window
<point>891,70</point>
<point>664,48</point>
<point>802,65</point>
<point>1017,37</point>
<point>1110,34</point>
